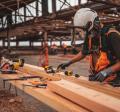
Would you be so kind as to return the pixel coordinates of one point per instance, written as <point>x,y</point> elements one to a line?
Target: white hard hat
<point>83,16</point>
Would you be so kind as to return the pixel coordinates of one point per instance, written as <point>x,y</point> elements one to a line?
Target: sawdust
<point>15,106</point>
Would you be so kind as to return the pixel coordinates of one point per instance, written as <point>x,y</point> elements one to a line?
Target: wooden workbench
<point>68,94</point>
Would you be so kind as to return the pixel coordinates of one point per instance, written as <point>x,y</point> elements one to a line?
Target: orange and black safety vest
<point>99,58</point>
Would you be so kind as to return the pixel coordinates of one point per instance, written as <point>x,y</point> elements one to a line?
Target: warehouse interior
<point>36,36</point>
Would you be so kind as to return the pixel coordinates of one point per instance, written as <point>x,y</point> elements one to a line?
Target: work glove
<point>64,65</point>
<point>103,74</point>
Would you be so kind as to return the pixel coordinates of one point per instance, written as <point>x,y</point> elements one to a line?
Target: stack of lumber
<point>68,94</point>
<point>90,99</point>
<point>44,95</point>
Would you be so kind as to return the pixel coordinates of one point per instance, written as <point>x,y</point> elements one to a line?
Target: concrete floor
<point>29,103</point>
<point>80,68</point>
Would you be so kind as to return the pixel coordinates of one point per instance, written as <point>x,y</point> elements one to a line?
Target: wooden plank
<point>46,96</point>
<point>34,70</point>
<point>105,88</point>
<point>88,98</point>
<point>115,92</point>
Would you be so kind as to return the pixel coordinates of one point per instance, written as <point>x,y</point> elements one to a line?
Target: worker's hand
<point>103,74</point>
<point>64,65</point>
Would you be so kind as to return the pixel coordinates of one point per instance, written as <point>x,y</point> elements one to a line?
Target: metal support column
<point>44,51</point>
<point>54,6</point>
<point>46,48</point>
<point>51,42</point>
<point>60,42</point>
<point>17,43</point>
<point>8,38</point>
<point>3,43</point>
<point>30,43</point>
<point>79,2</point>
<point>44,7</point>
<point>73,37</point>
<point>37,8</point>
<point>2,22</point>
<point>9,23</point>
<point>15,16</point>
<point>24,13</point>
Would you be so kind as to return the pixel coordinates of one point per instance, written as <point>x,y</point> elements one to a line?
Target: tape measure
<point>70,73</point>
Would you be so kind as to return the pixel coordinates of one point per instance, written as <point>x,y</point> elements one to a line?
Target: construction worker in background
<point>53,49</point>
<point>101,43</point>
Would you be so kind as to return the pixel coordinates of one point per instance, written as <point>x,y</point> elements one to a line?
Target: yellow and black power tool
<point>10,66</point>
<point>70,73</point>
<point>18,63</point>
<point>50,69</point>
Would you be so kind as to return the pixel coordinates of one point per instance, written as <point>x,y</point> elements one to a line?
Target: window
<point>30,10</point>
<point>40,7</point>
<point>12,43</point>
<point>50,6</point>
<point>24,43</point>
<point>83,1</point>
<point>36,43</point>
<point>1,42</point>
<point>13,17</point>
<point>4,22</point>
<point>19,17</point>
<point>60,4</point>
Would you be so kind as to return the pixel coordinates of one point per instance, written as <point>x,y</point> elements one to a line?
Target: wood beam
<point>31,69</point>
<point>103,88</point>
<point>43,95</point>
<point>88,98</point>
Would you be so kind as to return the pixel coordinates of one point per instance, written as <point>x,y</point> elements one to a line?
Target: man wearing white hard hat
<point>102,44</point>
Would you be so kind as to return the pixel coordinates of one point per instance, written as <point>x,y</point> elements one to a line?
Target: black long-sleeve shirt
<point>112,42</point>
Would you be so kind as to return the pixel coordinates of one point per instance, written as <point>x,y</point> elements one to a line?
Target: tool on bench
<point>70,73</point>
<point>9,66</point>
<point>50,69</point>
<point>36,86</point>
<point>20,78</point>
